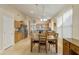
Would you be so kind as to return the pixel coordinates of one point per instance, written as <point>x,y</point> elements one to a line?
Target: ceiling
<point>39,10</point>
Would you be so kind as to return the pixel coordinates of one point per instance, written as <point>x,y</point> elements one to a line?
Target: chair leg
<point>49,46</point>
<point>31,46</point>
<point>39,47</point>
<point>56,48</point>
<point>46,48</point>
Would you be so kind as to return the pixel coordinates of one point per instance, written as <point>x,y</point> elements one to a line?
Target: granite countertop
<point>73,41</point>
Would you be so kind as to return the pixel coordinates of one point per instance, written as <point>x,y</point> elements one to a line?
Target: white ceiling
<point>39,10</point>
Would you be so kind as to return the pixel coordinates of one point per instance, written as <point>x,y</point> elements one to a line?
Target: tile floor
<point>23,48</point>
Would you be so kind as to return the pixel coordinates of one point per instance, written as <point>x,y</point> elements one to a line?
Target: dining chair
<point>43,40</point>
<point>34,40</point>
<point>53,41</point>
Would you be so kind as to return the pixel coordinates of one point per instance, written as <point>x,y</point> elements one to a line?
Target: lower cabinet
<point>74,50</point>
<point>66,50</point>
<point>18,36</point>
<point>70,48</point>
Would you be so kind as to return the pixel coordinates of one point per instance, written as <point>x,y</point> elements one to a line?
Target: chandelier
<point>43,17</point>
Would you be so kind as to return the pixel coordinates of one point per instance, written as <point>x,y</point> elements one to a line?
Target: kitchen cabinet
<point>18,36</point>
<point>65,47</point>
<point>18,24</point>
<point>70,46</point>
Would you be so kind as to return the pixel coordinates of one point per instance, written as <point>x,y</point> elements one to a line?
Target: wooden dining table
<point>50,40</point>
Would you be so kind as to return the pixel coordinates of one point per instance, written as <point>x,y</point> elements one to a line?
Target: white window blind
<point>64,24</point>
<point>59,25</point>
<point>67,24</point>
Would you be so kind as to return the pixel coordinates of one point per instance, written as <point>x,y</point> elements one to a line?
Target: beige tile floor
<point>23,48</point>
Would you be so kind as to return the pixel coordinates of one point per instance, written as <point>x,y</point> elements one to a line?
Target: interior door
<point>7,31</point>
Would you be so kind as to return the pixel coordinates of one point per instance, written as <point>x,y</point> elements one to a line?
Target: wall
<point>53,27</point>
<point>51,24</point>
<point>1,30</point>
<point>14,13</point>
<point>76,21</point>
<point>27,22</point>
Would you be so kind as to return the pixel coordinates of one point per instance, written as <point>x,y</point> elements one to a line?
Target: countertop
<point>73,41</point>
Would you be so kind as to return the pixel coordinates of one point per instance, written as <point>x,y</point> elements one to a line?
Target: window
<point>64,24</point>
<point>67,24</point>
<point>59,26</point>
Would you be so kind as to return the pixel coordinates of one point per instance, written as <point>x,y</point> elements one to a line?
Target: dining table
<point>51,40</point>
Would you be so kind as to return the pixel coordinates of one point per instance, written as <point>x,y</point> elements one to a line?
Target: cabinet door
<point>74,49</point>
<point>66,47</point>
<point>18,36</point>
<point>66,50</point>
<point>18,24</point>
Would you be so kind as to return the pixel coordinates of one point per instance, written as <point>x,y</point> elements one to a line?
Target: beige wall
<point>53,20</point>
<point>1,32</point>
<point>14,13</point>
<point>27,22</point>
<point>76,21</point>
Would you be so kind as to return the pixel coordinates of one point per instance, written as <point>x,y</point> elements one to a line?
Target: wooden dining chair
<point>34,41</point>
<point>43,40</point>
<point>53,41</point>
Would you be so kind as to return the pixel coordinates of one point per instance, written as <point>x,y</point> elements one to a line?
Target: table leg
<point>49,46</point>
<point>56,47</point>
<point>46,48</point>
<point>31,46</point>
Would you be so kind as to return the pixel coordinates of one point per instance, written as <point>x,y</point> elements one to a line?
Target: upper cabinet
<point>18,24</point>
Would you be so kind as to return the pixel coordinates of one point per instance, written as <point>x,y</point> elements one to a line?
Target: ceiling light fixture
<point>43,17</point>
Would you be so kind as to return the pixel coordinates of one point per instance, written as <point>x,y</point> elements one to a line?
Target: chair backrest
<point>34,35</point>
<point>43,36</point>
<point>56,35</point>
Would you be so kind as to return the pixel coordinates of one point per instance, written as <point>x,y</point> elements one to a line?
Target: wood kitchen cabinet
<point>18,36</point>
<point>18,24</point>
<point>66,45</point>
<point>74,49</point>
<point>70,46</point>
